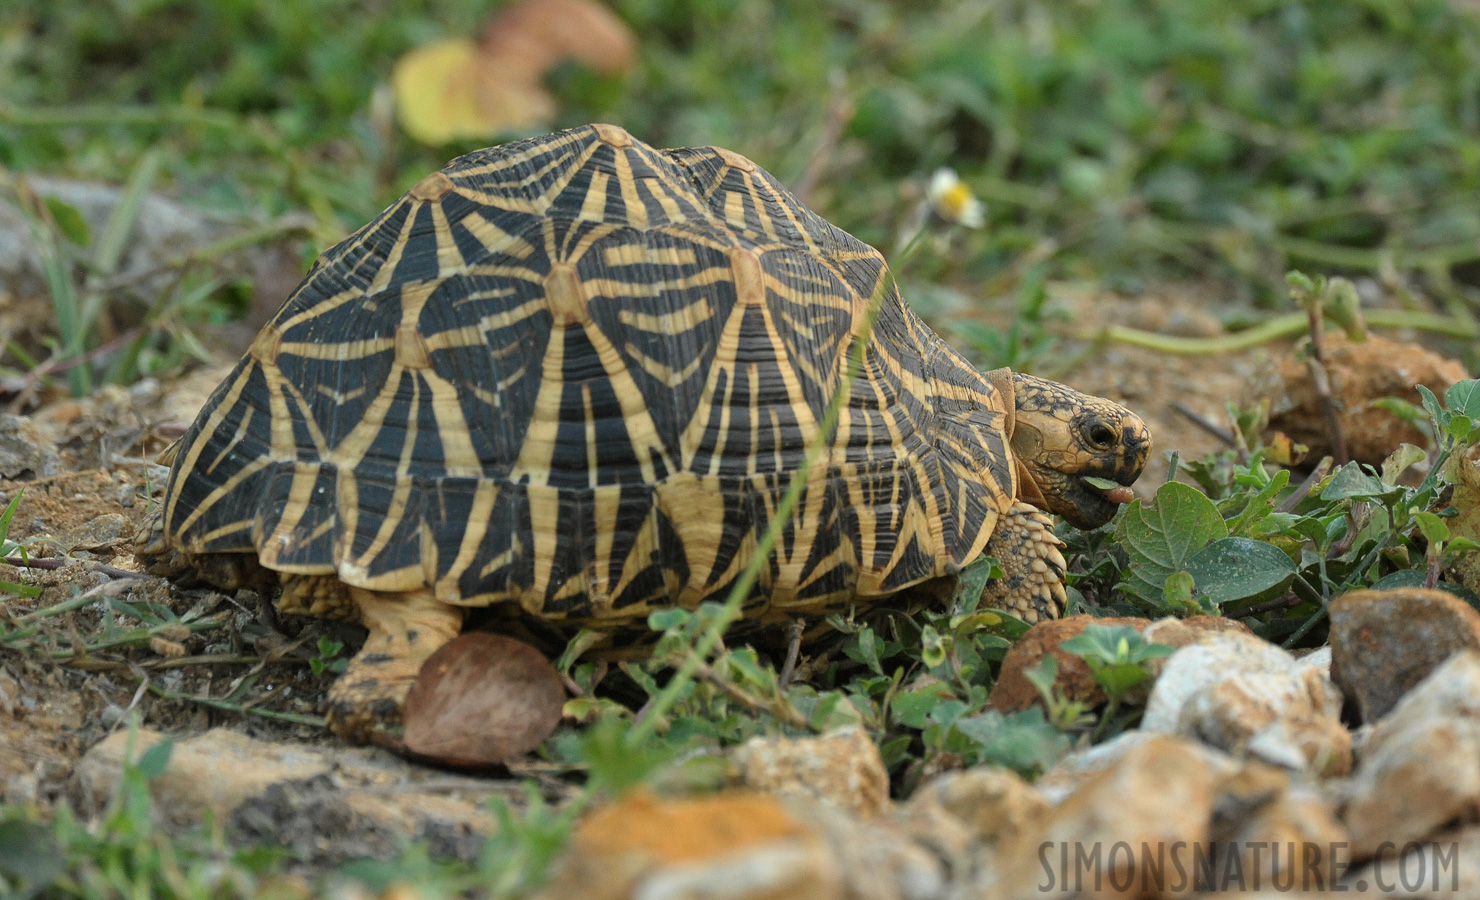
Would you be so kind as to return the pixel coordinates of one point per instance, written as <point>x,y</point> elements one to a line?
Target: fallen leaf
<point>460,88</point>
<point>482,699</point>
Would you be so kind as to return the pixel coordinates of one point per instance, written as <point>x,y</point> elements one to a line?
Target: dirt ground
<point>85,468</point>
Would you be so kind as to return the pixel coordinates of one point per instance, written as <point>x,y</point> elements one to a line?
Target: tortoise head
<point>1059,436</point>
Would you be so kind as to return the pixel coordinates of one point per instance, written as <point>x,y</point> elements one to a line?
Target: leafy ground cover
<point>1122,142</point>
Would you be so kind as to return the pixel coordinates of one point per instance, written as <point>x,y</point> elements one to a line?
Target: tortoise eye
<point>1100,436</point>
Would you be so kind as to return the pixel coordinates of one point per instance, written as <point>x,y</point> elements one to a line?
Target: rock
<point>1080,767</point>
<point>1013,691</point>
<point>1154,815</point>
<point>25,454</point>
<point>1282,829</point>
<point>214,772</point>
<point>959,813</point>
<point>100,532</point>
<point>332,803</point>
<point>993,803</point>
<point>877,858</point>
<point>1360,373</point>
<point>733,845</point>
<point>1158,794</point>
<point>1178,633</point>
<point>1242,694</point>
<point>1420,764</point>
<point>842,767</point>
<point>1385,642</point>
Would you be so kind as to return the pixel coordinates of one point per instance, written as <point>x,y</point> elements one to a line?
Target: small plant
<point>327,659</point>
<point>1118,658</point>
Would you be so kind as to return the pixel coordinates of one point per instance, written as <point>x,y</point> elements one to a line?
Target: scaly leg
<point>1032,585</point>
<point>405,629</point>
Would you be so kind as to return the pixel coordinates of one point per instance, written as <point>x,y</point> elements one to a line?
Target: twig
<point>59,562</point>
<point>794,630</point>
<point>315,721</point>
<point>88,664</point>
<point>1316,363</point>
<point>1285,602</point>
<point>783,713</point>
<point>1205,423</point>
<point>1303,490</point>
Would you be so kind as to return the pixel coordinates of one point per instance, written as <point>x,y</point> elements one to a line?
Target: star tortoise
<point>573,374</point>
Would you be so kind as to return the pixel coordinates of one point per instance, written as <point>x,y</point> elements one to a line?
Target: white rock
<point>1244,695</point>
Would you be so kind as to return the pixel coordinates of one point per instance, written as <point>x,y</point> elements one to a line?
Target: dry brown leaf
<point>464,89</point>
<point>482,699</point>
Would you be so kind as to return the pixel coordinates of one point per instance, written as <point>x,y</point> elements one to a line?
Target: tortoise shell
<point>576,372</point>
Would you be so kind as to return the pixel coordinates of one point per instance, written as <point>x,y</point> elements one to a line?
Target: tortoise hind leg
<point>1032,584</point>
<point>405,628</point>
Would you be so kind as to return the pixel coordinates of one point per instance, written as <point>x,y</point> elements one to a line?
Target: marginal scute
<point>613,134</point>
<point>565,295</point>
<point>266,345</point>
<point>431,187</point>
<point>734,159</point>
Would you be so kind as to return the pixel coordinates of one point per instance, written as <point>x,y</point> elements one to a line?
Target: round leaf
<point>1234,569</point>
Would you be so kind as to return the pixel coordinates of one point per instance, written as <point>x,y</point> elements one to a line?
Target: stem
<point>1286,326</point>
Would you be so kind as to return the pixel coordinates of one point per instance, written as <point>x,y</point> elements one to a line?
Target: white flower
<point>953,202</point>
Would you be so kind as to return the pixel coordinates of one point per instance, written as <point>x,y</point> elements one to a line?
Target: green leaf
<point>1159,538</point>
<point>1178,590</point>
<point>1433,528</point>
<point>932,647</point>
<point>125,214</point>
<point>1432,407</point>
<point>664,619</point>
<point>912,708</point>
<point>20,590</point>
<point>1259,506</point>
<point>1103,484</point>
<point>1043,675</point>
<point>973,580</point>
<point>30,859</point>
<point>1025,741</point>
<point>1463,398</point>
<point>1351,483</point>
<point>9,514</point>
<point>865,649</point>
<point>156,759</point>
<point>69,221</point>
<point>1237,568</point>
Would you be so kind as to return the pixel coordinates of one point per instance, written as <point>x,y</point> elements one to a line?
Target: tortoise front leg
<point>405,628</point>
<point>1032,584</point>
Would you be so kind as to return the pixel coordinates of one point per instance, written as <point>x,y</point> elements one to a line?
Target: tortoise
<point>572,375</point>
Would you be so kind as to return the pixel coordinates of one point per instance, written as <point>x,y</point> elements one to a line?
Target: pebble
<point>1420,764</point>
<point>842,767</point>
<point>1244,695</point>
<point>1385,642</point>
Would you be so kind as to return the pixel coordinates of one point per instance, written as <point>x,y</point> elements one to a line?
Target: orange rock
<point>686,829</point>
<point>1385,642</point>
<point>734,844</point>
<point>1360,373</point>
<point>1014,692</point>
